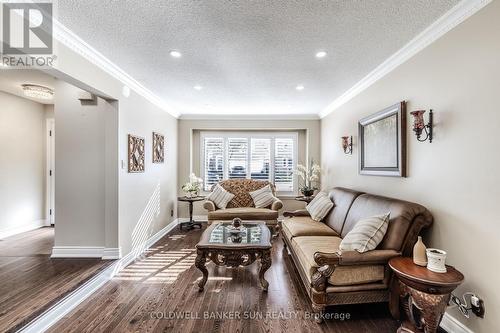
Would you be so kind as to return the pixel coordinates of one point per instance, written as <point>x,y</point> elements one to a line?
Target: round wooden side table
<point>191,223</point>
<point>421,293</point>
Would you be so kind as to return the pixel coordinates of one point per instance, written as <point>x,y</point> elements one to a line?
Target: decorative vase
<point>307,193</point>
<point>191,194</point>
<point>419,255</point>
<point>437,259</point>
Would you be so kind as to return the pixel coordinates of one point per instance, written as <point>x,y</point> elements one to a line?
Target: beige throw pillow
<point>366,234</point>
<point>319,206</point>
<point>263,197</point>
<point>220,197</point>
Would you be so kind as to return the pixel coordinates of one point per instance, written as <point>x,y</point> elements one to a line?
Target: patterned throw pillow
<point>366,234</point>
<point>220,197</point>
<point>263,197</point>
<point>319,206</point>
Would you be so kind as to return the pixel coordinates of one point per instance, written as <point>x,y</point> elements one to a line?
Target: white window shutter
<point>237,157</point>
<point>283,164</point>
<point>214,161</point>
<point>260,159</point>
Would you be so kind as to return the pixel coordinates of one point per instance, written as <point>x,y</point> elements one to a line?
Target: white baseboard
<point>77,252</point>
<point>111,253</point>
<point>71,301</point>
<point>451,325</point>
<point>4,233</point>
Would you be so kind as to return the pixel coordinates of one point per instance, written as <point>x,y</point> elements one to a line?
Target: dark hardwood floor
<point>31,282</point>
<point>163,284</point>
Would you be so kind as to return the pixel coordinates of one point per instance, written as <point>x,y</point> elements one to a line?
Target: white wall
<point>133,192</point>
<point>189,145</point>
<point>22,164</point>
<point>456,176</point>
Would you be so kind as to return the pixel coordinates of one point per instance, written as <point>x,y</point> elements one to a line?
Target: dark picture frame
<point>382,138</point>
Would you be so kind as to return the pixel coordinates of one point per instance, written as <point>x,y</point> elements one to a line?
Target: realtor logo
<point>27,34</point>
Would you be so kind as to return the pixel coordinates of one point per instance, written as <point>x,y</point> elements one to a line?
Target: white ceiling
<point>249,55</point>
<point>11,81</point>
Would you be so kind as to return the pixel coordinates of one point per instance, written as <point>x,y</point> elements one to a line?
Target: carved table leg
<point>265,263</point>
<point>200,262</point>
<point>431,308</point>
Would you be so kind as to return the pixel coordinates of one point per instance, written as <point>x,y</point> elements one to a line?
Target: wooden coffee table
<point>422,294</point>
<point>225,249</point>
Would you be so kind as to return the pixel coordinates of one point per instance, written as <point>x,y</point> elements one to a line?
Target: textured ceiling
<point>249,55</point>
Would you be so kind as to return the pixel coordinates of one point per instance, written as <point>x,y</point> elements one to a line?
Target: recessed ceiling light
<point>3,65</point>
<point>36,91</point>
<point>299,87</point>
<point>197,87</point>
<point>175,54</point>
<point>320,54</point>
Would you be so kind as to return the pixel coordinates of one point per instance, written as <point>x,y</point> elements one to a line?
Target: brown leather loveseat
<point>333,277</point>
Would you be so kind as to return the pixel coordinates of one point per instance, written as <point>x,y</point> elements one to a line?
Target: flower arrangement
<point>309,176</point>
<point>192,187</point>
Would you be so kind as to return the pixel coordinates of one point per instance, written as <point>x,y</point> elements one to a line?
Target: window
<point>250,155</point>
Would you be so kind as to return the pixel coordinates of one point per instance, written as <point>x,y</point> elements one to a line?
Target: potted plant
<point>309,176</point>
<point>192,187</point>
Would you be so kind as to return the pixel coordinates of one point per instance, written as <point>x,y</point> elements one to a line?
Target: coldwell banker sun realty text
<point>27,34</point>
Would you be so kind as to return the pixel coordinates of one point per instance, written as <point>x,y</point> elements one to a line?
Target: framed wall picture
<point>158,148</point>
<point>382,138</point>
<point>136,147</point>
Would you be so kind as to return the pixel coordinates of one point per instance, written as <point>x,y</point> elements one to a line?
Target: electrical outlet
<point>171,212</point>
<point>477,305</point>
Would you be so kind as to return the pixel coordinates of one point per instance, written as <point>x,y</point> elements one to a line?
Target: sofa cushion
<point>220,197</point>
<point>306,246</point>
<point>263,197</point>
<point>305,226</point>
<point>403,214</point>
<point>244,213</point>
<point>366,234</point>
<point>342,198</point>
<point>319,207</point>
<point>352,275</point>
<point>241,189</point>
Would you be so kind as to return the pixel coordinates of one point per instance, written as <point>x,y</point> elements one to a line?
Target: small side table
<point>423,294</point>
<point>307,200</point>
<point>191,224</point>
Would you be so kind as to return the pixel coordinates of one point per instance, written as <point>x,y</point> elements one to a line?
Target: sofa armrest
<point>209,205</point>
<point>348,258</point>
<point>277,205</point>
<point>298,212</point>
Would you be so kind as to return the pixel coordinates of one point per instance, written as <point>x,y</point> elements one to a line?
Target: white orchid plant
<point>309,176</point>
<point>193,186</point>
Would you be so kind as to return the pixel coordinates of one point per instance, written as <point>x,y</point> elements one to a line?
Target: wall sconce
<point>419,126</point>
<point>347,144</point>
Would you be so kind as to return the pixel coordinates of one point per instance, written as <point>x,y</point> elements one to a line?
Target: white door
<point>50,171</point>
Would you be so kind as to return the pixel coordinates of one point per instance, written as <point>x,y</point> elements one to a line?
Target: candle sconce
<point>420,126</point>
<point>347,144</point>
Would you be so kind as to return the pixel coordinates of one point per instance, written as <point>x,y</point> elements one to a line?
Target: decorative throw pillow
<point>263,197</point>
<point>220,197</point>
<point>366,234</point>
<point>319,206</point>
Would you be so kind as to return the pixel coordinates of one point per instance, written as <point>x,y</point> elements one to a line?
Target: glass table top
<point>248,233</point>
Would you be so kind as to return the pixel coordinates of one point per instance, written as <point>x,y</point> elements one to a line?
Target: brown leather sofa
<point>242,205</point>
<point>333,277</point>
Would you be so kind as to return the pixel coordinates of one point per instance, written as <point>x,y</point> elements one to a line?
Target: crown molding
<point>452,18</point>
<point>78,45</point>
<point>192,116</point>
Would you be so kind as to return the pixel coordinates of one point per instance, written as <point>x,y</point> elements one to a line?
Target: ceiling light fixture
<point>321,54</point>
<point>175,54</point>
<point>197,87</point>
<point>36,91</point>
<point>299,87</point>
